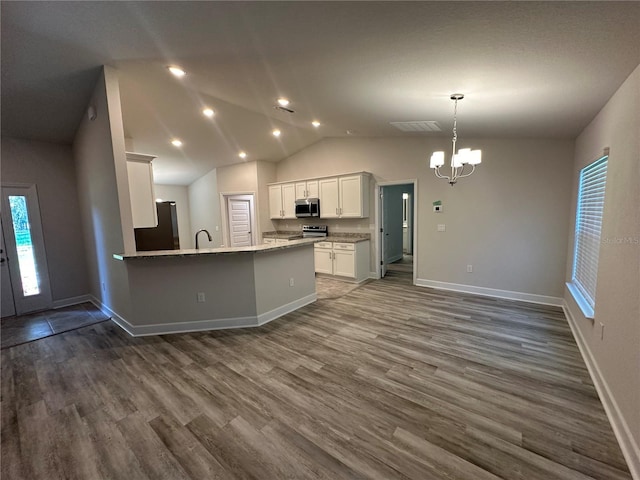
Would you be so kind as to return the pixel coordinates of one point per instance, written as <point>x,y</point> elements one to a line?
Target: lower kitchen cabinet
<point>348,260</point>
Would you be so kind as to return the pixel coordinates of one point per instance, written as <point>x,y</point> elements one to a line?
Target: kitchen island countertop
<point>216,251</point>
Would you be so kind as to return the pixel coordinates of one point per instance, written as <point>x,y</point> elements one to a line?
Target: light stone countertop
<point>333,237</point>
<point>216,251</point>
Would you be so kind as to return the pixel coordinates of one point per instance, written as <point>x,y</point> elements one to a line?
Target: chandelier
<point>460,160</point>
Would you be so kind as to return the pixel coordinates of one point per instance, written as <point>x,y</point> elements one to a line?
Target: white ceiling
<point>534,69</point>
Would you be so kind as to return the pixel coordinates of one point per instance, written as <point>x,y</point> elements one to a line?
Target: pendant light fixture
<point>459,160</point>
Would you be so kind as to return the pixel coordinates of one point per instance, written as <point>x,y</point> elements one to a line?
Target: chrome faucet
<point>200,231</point>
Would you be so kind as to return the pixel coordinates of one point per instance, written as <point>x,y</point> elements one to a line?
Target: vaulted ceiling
<point>532,69</point>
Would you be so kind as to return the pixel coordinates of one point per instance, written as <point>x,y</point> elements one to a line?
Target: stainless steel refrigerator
<point>165,235</point>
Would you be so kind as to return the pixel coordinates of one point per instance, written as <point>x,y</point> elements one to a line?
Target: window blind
<point>588,226</point>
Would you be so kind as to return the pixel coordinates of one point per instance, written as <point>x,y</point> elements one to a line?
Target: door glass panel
<point>24,245</point>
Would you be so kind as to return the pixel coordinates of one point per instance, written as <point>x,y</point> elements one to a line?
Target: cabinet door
<point>312,189</point>
<point>289,200</point>
<point>344,263</point>
<point>275,201</point>
<point>351,196</point>
<point>143,202</point>
<point>301,190</point>
<point>323,260</point>
<point>328,194</point>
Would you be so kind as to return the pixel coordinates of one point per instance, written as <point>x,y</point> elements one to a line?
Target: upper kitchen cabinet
<point>344,197</point>
<point>282,199</point>
<point>143,201</point>
<point>306,189</point>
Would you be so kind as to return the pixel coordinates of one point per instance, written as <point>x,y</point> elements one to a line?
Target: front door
<point>239,214</point>
<point>24,243</point>
<point>8,307</point>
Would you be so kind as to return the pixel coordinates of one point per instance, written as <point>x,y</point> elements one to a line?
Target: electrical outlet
<point>469,268</point>
<point>291,282</point>
<point>201,297</point>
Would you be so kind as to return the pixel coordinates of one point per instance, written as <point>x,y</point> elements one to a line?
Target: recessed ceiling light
<point>276,133</point>
<point>315,123</point>
<point>283,102</point>
<point>242,154</point>
<point>176,142</point>
<point>208,112</point>
<point>177,71</point>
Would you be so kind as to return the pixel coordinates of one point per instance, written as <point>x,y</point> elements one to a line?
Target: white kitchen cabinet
<point>323,256</point>
<point>269,241</point>
<point>307,189</point>
<point>143,200</point>
<point>344,197</point>
<point>328,195</point>
<point>282,199</point>
<point>348,260</point>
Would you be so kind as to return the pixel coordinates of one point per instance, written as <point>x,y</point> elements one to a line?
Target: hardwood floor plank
<point>389,381</point>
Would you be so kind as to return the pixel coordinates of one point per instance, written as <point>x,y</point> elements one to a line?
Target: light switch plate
<point>441,227</point>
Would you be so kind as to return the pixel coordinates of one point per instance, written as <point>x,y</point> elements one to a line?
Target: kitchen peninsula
<point>191,290</point>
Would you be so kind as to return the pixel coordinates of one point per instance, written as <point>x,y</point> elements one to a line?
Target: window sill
<point>587,311</point>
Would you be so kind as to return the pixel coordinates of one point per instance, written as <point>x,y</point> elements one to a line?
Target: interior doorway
<point>23,252</point>
<point>240,229</point>
<point>396,224</point>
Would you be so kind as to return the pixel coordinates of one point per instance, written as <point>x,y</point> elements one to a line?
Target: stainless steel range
<point>314,231</point>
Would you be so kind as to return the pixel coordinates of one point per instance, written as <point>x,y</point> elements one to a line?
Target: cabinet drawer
<point>323,245</point>
<point>344,246</point>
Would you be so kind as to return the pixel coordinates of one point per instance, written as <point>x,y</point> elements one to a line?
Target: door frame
<point>44,299</point>
<point>378,217</point>
<point>7,283</point>
<point>224,206</point>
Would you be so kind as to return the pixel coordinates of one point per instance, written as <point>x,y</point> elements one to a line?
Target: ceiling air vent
<point>418,126</point>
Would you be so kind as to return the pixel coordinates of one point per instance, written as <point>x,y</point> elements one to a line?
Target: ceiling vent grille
<point>418,126</point>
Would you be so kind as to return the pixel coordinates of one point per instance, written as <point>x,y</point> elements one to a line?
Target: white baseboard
<point>67,302</point>
<point>212,324</point>
<point>621,429</point>
<point>491,292</point>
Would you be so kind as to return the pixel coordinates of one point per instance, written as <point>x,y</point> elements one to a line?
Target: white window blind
<point>588,225</point>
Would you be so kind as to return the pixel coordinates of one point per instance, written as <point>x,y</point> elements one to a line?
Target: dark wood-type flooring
<point>389,381</point>
<point>20,329</point>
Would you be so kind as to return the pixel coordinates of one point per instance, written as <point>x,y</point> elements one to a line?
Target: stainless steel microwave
<point>307,207</point>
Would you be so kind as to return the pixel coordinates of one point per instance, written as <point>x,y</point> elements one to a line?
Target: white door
<point>239,222</point>
<point>289,200</point>
<point>301,190</point>
<point>328,194</point>
<point>351,196</point>
<point>25,249</point>
<point>275,201</point>
<point>384,216</point>
<point>323,258</point>
<point>344,263</point>
<point>312,189</point>
<point>8,307</point>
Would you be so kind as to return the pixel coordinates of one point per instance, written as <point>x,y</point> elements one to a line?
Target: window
<point>587,236</point>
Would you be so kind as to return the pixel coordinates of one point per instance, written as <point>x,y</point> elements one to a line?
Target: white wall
<point>180,195</point>
<point>204,210</point>
<point>103,192</point>
<point>509,220</point>
<point>616,357</point>
<point>50,167</point>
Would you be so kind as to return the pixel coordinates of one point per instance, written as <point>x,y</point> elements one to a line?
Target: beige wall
<point>180,195</point>
<point>103,192</point>
<point>204,210</point>
<point>617,354</point>
<point>509,220</point>
<point>50,167</point>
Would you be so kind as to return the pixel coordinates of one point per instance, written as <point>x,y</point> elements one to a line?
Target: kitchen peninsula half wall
<point>176,291</point>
